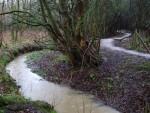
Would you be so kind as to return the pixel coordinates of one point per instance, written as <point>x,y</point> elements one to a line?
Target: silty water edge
<point>64,99</point>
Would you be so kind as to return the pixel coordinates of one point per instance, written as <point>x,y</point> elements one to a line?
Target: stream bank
<point>10,99</point>
<point>122,81</point>
<point>63,98</point>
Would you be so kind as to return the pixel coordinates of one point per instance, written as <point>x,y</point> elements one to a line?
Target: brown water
<point>64,99</point>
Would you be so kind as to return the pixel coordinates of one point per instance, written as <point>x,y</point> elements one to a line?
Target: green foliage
<point>147,108</point>
<point>73,24</point>
<point>140,42</point>
<point>135,42</point>
<point>100,16</point>
<point>92,76</point>
<point>11,99</point>
<point>103,15</point>
<point>140,15</point>
<point>144,67</point>
<point>62,58</point>
<point>9,86</point>
<point>36,55</point>
<point>4,59</point>
<point>10,94</point>
<point>110,15</point>
<point>6,100</point>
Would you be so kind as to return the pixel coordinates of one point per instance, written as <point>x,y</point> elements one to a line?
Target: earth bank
<point>10,99</point>
<point>122,81</point>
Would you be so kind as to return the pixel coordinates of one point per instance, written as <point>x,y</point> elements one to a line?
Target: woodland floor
<point>10,99</point>
<point>121,81</point>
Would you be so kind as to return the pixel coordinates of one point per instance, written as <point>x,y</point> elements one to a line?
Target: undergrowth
<point>9,94</point>
<point>145,66</point>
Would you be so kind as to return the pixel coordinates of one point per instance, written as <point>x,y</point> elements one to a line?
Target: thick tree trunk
<point>80,58</point>
<point>68,35</point>
<point>85,54</point>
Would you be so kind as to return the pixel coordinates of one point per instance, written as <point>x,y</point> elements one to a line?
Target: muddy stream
<point>63,98</point>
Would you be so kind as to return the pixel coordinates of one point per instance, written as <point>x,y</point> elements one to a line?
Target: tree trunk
<point>68,35</point>
<point>80,58</point>
<point>86,54</point>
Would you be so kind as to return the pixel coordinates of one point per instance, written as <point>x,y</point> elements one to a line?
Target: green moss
<point>36,55</point>
<point>6,100</point>
<point>8,83</point>
<point>18,100</point>
<point>62,58</point>
<point>10,94</point>
<point>4,59</point>
<point>11,99</point>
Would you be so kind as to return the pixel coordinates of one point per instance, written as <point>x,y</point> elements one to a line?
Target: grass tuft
<point>144,67</point>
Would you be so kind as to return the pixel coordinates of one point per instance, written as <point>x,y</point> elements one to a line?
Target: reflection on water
<point>64,99</point>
